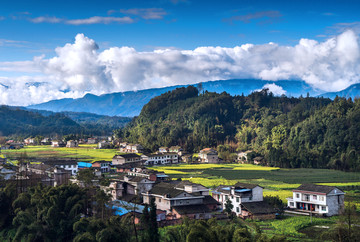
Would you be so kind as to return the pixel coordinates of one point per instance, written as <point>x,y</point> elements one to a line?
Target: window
<point>237,199</point>
<point>291,204</point>
<point>297,195</point>
<point>322,198</point>
<point>237,209</point>
<point>159,200</point>
<point>314,197</point>
<point>250,198</point>
<point>226,197</point>
<point>323,208</point>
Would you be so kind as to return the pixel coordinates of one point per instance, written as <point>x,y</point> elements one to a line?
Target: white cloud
<point>79,67</point>
<point>275,89</point>
<point>44,19</point>
<point>145,13</point>
<point>100,20</point>
<point>91,20</point>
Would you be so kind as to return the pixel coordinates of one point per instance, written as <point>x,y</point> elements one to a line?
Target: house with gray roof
<point>238,194</point>
<point>166,197</point>
<point>317,199</point>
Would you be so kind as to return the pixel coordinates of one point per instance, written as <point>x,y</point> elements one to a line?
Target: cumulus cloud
<point>80,67</point>
<point>275,89</point>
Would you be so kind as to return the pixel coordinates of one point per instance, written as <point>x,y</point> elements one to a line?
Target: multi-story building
<point>103,165</point>
<point>125,158</point>
<point>208,155</point>
<point>326,200</point>
<point>238,194</point>
<point>166,197</point>
<point>68,165</point>
<point>72,143</point>
<point>161,158</point>
<point>131,148</point>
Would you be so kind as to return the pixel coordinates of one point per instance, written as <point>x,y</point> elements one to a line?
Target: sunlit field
<point>83,152</point>
<point>275,181</point>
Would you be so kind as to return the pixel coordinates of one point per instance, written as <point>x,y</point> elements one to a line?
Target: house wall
<point>212,159</point>
<point>73,168</point>
<point>335,204</point>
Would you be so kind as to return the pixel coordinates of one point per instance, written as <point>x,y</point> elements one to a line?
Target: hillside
<point>31,122</point>
<point>288,132</point>
<point>22,122</point>
<point>129,104</point>
<point>352,91</point>
<point>89,119</point>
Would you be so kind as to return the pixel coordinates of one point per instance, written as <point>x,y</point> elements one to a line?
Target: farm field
<point>276,181</point>
<point>83,152</point>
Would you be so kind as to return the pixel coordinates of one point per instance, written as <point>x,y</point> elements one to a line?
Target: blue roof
<point>162,176</point>
<point>123,207</point>
<point>226,188</point>
<point>242,190</point>
<point>84,164</point>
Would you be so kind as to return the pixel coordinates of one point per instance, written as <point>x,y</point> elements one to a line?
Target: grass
<point>290,226</point>
<point>83,152</point>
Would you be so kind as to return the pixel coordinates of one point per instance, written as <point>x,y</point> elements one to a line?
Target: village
<point>131,183</point>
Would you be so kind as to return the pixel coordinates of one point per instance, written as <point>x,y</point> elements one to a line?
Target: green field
<point>275,181</point>
<point>83,152</point>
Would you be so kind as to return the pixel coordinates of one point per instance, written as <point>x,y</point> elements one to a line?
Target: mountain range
<point>130,103</point>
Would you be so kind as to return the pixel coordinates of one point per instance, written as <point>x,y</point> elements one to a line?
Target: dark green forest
<point>288,132</point>
<point>19,122</point>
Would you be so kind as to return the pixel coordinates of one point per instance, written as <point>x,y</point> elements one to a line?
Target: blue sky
<point>179,24</point>
<point>32,30</point>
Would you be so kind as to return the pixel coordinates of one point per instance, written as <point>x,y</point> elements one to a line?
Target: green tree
<point>228,207</point>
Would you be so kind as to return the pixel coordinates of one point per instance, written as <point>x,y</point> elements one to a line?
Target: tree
<point>149,221</point>
<point>86,176</point>
<point>101,198</point>
<point>228,207</point>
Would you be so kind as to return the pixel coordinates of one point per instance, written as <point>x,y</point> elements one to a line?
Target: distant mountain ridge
<point>352,91</point>
<point>130,103</point>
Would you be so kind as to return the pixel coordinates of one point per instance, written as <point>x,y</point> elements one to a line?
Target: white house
<point>68,165</point>
<point>326,200</point>
<point>238,194</point>
<point>208,155</point>
<point>161,158</point>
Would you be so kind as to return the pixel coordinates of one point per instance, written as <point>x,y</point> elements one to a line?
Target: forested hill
<point>21,122</point>
<point>288,132</point>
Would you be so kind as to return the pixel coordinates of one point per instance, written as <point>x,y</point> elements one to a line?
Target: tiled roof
<point>130,155</point>
<point>210,200</point>
<point>191,209</point>
<point>165,189</point>
<point>258,207</point>
<point>316,188</point>
<point>245,185</point>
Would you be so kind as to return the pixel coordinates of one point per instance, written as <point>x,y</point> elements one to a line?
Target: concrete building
<point>319,199</point>
<point>125,158</point>
<point>68,165</point>
<point>161,158</point>
<point>131,148</point>
<point>208,155</point>
<point>103,165</point>
<point>238,194</point>
<point>72,143</point>
<point>166,197</point>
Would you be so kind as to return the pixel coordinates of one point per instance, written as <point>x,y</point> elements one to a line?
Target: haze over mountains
<point>129,104</point>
